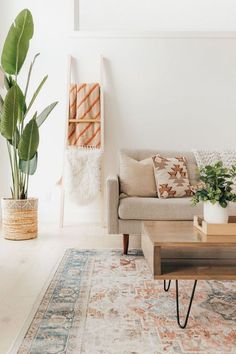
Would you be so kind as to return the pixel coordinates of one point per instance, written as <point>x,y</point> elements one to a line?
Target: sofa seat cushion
<point>134,208</point>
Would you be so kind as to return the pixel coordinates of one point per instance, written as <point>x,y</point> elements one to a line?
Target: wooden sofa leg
<point>125,243</point>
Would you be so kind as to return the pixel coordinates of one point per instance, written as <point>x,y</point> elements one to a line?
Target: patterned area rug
<point>103,302</point>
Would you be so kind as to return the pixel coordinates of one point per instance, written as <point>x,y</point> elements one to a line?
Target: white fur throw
<point>83,174</point>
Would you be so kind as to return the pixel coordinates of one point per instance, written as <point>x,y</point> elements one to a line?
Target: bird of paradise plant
<point>18,126</point>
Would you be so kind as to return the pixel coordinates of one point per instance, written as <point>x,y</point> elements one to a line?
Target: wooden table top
<point>183,233</point>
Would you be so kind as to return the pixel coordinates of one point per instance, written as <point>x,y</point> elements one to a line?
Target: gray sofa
<point>125,214</point>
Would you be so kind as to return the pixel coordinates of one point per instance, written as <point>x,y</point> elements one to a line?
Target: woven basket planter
<point>20,219</point>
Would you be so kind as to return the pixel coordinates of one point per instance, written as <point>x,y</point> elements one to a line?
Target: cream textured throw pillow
<point>206,157</point>
<point>171,177</point>
<point>228,158</point>
<point>137,177</point>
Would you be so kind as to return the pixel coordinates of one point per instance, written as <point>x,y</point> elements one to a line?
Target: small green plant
<point>216,185</point>
<point>18,125</point>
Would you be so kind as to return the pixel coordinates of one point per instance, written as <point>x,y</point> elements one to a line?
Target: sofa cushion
<point>158,209</point>
<point>137,177</point>
<point>141,154</point>
<point>171,177</point>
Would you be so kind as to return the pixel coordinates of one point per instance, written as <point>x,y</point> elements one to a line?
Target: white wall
<point>149,15</point>
<point>159,93</point>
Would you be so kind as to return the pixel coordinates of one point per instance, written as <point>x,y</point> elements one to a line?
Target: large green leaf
<point>29,167</point>
<point>12,106</point>
<point>22,105</point>
<point>15,141</point>
<point>45,113</point>
<point>1,103</point>
<point>8,82</point>
<point>16,44</point>
<point>29,141</point>
<point>21,102</point>
<point>1,78</point>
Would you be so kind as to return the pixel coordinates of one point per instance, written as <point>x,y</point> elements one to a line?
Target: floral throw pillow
<point>171,177</point>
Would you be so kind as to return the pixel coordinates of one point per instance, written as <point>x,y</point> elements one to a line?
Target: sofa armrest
<point>112,204</point>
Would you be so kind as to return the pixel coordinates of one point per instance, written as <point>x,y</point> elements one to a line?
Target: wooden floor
<point>25,266</point>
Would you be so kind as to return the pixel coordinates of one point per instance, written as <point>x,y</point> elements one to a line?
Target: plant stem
<point>16,169</point>
<point>14,163</point>
<point>27,185</point>
<point>29,74</point>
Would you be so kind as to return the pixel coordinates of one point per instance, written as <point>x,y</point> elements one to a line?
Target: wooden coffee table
<point>175,250</point>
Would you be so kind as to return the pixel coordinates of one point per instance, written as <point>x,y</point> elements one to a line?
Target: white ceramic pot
<point>214,213</point>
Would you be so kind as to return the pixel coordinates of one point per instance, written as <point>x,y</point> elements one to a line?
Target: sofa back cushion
<point>148,153</point>
<point>137,177</point>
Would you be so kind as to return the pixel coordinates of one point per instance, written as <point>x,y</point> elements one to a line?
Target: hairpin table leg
<point>166,288</point>
<point>189,307</point>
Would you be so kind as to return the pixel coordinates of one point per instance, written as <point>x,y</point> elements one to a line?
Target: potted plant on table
<point>20,128</point>
<point>215,191</point>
